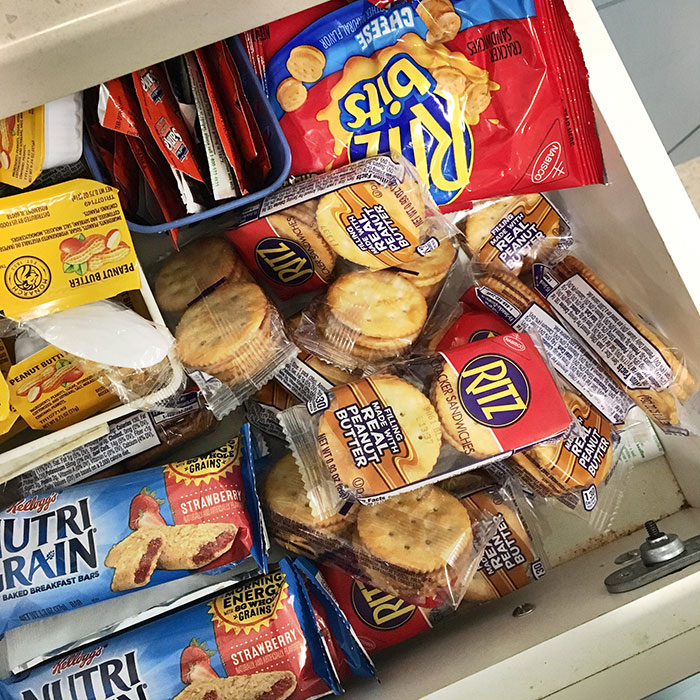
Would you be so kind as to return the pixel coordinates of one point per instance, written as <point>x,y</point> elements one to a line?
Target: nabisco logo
<point>548,165</point>
<point>80,659</point>
<point>33,503</point>
<point>514,342</point>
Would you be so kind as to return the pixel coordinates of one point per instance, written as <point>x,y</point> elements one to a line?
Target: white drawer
<point>643,235</point>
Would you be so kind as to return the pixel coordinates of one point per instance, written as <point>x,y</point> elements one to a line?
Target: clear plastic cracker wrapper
<point>642,362</point>
<point>512,233</point>
<point>427,419</point>
<point>422,546</point>
<point>257,640</point>
<point>228,334</point>
<point>514,556</point>
<point>96,540</point>
<point>485,99</point>
<point>581,459</point>
<point>525,310</point>
<point>374,213</point>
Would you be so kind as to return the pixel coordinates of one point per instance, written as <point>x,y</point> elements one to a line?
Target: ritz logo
<point>493,390</point>
<point>399,111</point>
<point>379,610</point>
<point>45,546</point>
<point>284,261</point>
<point>116,678</point>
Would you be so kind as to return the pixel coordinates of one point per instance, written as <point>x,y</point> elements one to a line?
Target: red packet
<point>164,121</point>
<point>227,116</point>
<point>125,173</point>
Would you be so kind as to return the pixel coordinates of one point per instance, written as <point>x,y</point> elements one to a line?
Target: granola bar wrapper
<point>257,639</point>
<point>485,99</point>
<point>87,543</point>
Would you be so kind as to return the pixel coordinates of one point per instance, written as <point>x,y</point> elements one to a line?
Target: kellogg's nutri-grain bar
<point>485,99</point>
<point>257,640</point>
<point>69,548</point>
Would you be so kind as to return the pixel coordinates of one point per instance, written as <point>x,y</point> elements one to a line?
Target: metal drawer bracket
<point>659,555</point>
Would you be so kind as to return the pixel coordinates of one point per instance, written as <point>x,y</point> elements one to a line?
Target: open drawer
<point>642,234</point>
<point>581,642</point>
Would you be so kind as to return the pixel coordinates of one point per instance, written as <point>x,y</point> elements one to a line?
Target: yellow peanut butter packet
<point>52,390</point>
<point>63,246</point>
<point>22,147</point>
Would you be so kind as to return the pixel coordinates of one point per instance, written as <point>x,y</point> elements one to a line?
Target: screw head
<point>524,609</point>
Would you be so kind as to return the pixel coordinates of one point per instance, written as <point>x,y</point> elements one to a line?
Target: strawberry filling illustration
<point>277,690</point>
<point>143,570</point>
<point>207,551</point>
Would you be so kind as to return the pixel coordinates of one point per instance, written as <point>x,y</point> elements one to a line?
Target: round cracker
<point>199,265</point>
<point>306,63</point>
<point>402,202</point>
<point>220,323</point>
<point>450,81</point>
<point>291,94</point>
<point>416,417</point>
<point>427,270</point>
<point>422,530</point>
<point>294,224</point>
<point>284,494</point>
<point>458,427</point>
<point>378,304</point>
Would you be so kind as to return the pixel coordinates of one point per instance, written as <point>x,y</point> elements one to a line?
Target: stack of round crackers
<point>412,545</point>
<point>228,328</point>
<point>372,315</point>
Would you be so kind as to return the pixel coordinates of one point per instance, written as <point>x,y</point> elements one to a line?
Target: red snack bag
<point>485,99</point>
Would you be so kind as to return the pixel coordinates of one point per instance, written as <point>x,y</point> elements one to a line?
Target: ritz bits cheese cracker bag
<point>97,540</point>
<point>52,389</point>
<point>64,246</point>
<point>485,99</point>
<point>385,433</point>
<point>255,641</point>
<point>22,147</point>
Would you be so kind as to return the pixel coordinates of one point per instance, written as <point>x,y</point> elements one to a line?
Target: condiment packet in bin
<point>424,420</point>
<point>97,540</point>
<point>257,640</point>
<point>421,546</point>
<point>642,362</point>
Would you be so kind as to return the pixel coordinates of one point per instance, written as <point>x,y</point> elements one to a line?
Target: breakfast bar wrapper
<point>424,420</point>
<point>86,543</point>
<point>486,99</point>
<point>258,639</point>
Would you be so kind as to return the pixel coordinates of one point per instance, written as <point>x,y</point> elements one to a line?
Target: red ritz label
<point>500,392</point>
<point>471,326</point>
<point>379,619</point>
<point>277,247</point>
<point>485,98</point>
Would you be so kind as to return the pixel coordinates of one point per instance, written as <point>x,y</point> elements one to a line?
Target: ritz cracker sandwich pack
<point>268,637</point>
<point>86,543</point>
<point>485,99</point>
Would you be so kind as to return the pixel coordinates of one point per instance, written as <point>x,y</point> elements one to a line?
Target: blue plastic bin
<point>277,147</point>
